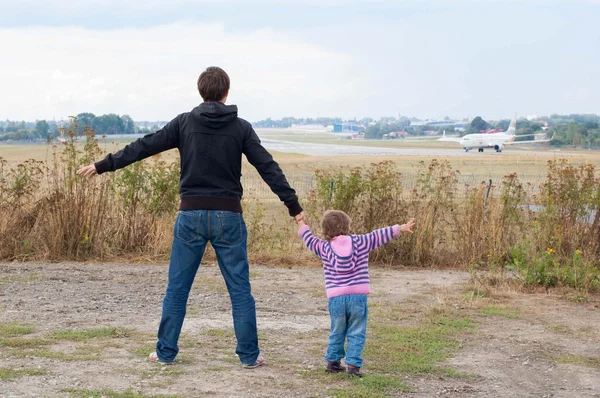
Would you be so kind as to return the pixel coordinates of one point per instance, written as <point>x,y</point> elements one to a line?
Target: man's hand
<point>408,227</point>
<point>299,218</point>
<point>87,171</point>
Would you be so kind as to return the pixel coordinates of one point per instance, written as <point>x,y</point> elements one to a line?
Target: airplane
<point>497,141</point>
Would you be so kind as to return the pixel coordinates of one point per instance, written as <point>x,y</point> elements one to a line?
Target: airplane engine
<point>499,147</point>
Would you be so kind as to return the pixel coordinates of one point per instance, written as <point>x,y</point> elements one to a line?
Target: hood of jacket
<point>215,114</point>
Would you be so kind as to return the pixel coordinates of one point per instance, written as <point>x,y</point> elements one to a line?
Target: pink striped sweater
<point>346,258</point>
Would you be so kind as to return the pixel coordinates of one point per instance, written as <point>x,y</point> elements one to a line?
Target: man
<point>210,139</point>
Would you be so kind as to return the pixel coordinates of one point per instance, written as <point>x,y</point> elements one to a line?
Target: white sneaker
<point>153,357</point>
<point>260,361</point>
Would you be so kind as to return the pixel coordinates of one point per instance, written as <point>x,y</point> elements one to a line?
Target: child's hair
<point>335,223</point>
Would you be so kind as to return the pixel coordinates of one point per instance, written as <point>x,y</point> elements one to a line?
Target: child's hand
<point>408,227</point>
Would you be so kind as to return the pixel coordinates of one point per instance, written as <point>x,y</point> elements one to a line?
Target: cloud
<point>424,58</point>
<point>151,73</point>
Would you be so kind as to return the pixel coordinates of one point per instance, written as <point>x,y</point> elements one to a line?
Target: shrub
<point>550,239</point>
<point>49,212</point>
<point>570,203</point>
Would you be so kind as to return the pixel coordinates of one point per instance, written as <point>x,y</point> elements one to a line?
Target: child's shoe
<point>354,371</point>
<point>334,367</point>
<point>260,361</point>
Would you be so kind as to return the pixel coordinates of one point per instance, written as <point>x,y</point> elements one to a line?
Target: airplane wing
<point>529,142</point>
<point>449,139</point>
<point>526,135</point>
<point>425,138</point>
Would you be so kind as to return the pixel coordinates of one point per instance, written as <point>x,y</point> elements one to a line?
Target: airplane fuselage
<point>496,141</point>
<point>480,141</point>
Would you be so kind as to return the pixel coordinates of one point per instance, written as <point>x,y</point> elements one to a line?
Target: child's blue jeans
<point>348,321</point>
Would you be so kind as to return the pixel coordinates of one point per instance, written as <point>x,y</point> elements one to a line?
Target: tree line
<point>580,130</point>
<point>290,121</point>
<point>107,124</point>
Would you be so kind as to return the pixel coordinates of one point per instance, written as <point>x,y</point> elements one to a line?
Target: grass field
<point>465,173</point>
<point>474,168</point>
<point>489,163</point>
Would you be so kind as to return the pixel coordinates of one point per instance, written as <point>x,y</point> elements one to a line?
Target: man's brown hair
<point>213,84</point>
<point>335,223</point>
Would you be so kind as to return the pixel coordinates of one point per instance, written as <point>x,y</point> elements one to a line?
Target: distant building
<point>347,127</point>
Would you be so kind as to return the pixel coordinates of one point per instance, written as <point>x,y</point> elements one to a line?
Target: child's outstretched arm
<point>314,244</point>
<point>381,236</point>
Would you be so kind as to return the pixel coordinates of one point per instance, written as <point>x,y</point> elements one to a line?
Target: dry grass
<point>505,163</point>
<point>50,213</point>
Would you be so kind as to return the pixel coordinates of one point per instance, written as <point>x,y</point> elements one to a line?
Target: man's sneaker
<point>154,358</point>
<point>334,367</point>
<point>260,361</point>
<point>354,371</point>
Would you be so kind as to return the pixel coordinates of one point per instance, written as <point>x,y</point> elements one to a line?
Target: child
<point>345,264</point>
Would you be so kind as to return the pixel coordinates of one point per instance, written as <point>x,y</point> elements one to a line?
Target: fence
<point>304,182</point>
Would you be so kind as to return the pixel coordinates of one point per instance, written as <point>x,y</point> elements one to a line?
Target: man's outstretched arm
<point>270,172</point>
<point>151,144</point>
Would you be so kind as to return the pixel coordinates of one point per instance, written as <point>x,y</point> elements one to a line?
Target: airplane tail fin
<point>512,128</point>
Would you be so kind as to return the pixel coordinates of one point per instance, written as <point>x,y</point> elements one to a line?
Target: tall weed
<point>49,212</point>
<point>570,217</point>
<point>551,239</point>
<point>490,221</point>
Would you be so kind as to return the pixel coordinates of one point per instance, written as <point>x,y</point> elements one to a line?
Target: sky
<point>302,58</point>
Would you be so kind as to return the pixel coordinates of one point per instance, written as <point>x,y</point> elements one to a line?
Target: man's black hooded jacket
<point>211,140</point>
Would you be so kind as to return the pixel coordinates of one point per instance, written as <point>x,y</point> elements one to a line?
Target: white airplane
<point>497,141</point>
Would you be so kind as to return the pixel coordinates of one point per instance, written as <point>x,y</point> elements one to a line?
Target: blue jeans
<point>226,231</point>
<point>348,321</point>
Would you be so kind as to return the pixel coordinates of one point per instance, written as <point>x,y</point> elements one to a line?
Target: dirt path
<point>519,346</point>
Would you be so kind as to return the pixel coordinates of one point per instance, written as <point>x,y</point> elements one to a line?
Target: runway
<point>326,149</point>
<point>313,149</point>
